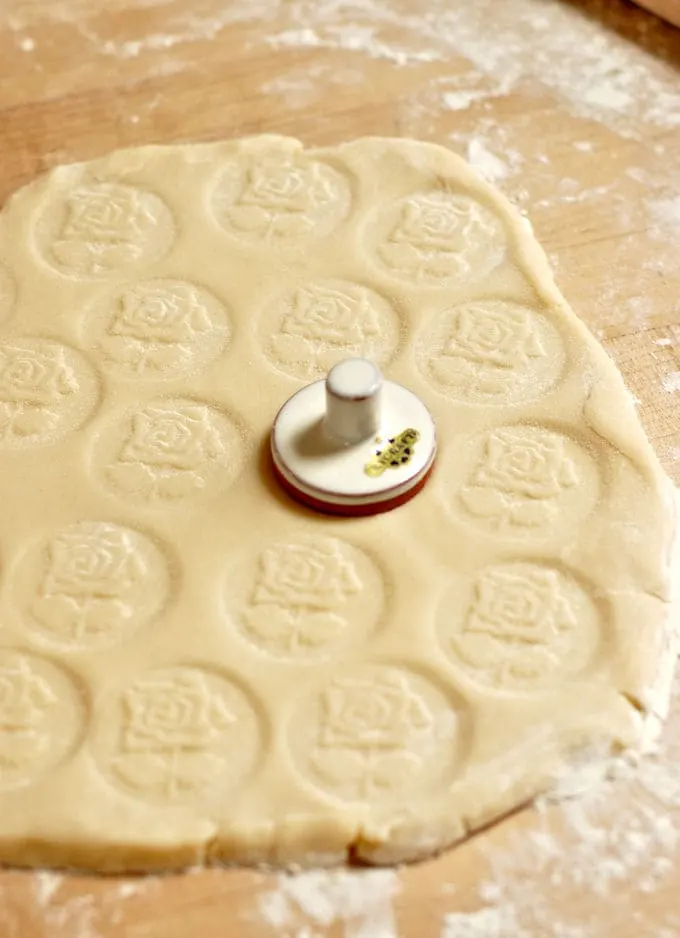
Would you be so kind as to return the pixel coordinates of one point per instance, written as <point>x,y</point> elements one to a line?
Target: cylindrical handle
<point>353,396</point>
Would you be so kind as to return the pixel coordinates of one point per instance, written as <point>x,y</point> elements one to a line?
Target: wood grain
<point>81,77</point>
<point>667,9</point>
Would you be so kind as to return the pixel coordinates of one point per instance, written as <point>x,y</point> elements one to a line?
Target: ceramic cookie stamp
<point>353,443</point>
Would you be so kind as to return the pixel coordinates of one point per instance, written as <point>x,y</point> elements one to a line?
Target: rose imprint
<point>104,227</point>
<point>178,733</point>
<point>91,584</point>
<point>440,239</point>
<point>324,321</point>
<point>41,717</point>
<point>301,600</point>
<point>46,390</point>
<point>491,351</point>
<point>525,481</point>
<point>159,329</point>
<point>171,449</point>
<point>373,735</point>
<point>523,626</point>
<point>280,198</point>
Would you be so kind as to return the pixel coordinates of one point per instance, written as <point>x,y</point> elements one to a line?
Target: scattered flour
<point>76,918</point>
<point>492,922</point>
<point>666,212</point>
<point>296,90</point>
<point>487,164</point>
<point>460,100</point>
<point>361,900</point>
<point>134,887</point>
<point>182,27</point>
<point>621,832</point>
<point>595,72</point>
<point>46,883</point>
<point>299,87</point>
<point>671,381</point>
<point>354,38</point>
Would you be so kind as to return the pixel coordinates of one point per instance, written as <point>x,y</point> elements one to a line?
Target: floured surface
<point>599,185</point>
<point>196,669</point>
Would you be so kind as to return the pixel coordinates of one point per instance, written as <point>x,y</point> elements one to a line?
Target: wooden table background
<point>574,109</point>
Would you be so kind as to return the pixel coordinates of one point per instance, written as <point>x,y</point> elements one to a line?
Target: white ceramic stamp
<point>353,443</point>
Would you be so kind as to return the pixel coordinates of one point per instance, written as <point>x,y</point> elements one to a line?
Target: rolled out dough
<point>195,669</point>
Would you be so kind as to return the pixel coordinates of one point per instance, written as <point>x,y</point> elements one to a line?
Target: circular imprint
<point>102,228</point>
<point>305,600</point>
<point>178,734</point>
<point>490,352</point>
<point>91,584</point>
<point>42,716</point>
<point>521,481</point>
<point>280,197</point>
<point>519,626</point>
<point>378,734</point>
<point>169,450</point>
<point>8,292</point>
<point>439,239</point>
<point>323,321</point>
<point>158,329</point>
<point>46,391</point>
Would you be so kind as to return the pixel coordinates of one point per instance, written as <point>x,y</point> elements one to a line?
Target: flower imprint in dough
<point>172,449</point>
<point>177,734</point>
<point>303,600</point>
<point>491,352</point>
<point>520,478</point>
<point>46,390</point>
<point>42,715</point>
<point>299,595</point>
<point>525,626</point>
<point>375,733</point>
<point>442,239</point>
<point>323,321</point>
<point>101,228</point>
<point>158,329</point>
<point>92,583</point>
<point>280,198</point>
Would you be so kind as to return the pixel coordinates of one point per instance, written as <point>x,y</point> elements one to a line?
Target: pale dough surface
<point>195,669</point>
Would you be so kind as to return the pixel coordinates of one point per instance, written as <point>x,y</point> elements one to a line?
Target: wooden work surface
<point>574,110</point>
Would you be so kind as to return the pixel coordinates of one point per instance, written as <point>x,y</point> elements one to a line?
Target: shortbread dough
<point>196,669</point>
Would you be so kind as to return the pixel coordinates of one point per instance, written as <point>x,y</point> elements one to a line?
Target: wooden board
<point>667,9</point>
<point>574,109</point>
